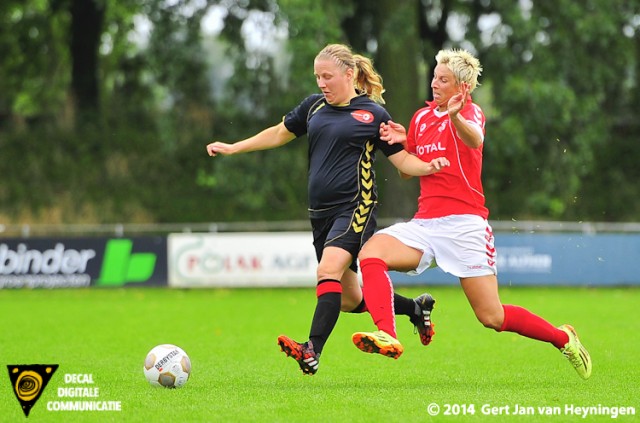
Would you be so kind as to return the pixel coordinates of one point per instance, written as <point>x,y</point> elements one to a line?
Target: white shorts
<point>461,245</point>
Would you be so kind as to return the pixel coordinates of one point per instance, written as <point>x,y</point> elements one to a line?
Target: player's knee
<point>323,273</point>
<point>491,320</point>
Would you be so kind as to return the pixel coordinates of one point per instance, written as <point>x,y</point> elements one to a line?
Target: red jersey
<point>456,189</point>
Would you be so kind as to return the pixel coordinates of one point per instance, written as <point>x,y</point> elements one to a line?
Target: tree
<point>32,77</point>
<point>557,74</point>
<point>559,89</point>
<point>87,18</point>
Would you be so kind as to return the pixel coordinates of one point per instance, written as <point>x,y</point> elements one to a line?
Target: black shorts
<point>348,227</point>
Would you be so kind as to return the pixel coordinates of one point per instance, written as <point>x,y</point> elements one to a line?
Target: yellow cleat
<point>576,353</point>
<point>378,342</point>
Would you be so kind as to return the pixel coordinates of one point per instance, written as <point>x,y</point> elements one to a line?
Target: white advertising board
<point>241,259</point>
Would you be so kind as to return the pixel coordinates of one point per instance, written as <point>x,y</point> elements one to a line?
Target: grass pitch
<point>239,374</point>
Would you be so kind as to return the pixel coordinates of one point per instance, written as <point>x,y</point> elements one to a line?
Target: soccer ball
<point>167,365</point>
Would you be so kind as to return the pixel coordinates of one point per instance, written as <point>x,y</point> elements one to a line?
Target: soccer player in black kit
<point>343,126</point>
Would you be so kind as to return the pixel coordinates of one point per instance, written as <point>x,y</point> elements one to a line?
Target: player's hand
<point>393,133</point>
<point>215,148</point>
<point>457,102</point>
<point>440,163</point>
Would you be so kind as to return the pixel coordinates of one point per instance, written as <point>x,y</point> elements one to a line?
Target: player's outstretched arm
<point>271,137</point>
<point>410,165</point>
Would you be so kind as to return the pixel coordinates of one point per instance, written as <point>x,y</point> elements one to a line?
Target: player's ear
<point>349,73</point>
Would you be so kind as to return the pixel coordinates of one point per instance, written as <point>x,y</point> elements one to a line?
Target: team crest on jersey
<point>363,116</point>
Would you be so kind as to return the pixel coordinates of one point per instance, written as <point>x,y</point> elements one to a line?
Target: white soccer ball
<point>167,365</point>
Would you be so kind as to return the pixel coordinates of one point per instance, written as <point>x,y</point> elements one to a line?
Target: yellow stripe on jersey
<point>366,189</point>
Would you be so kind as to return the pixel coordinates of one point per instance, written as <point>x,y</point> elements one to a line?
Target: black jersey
<point>342,144</point>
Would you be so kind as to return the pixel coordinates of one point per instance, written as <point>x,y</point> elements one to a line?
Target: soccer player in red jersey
<point>450,228</point>
<point>342,124</point>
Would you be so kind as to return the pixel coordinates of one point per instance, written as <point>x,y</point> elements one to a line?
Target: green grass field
<point>239,374</point>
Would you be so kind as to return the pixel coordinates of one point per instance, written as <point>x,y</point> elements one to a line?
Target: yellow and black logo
<point>28,381</point>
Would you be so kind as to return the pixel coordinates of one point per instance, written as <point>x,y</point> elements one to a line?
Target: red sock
<point>378,294</point>
<point>525,323</point>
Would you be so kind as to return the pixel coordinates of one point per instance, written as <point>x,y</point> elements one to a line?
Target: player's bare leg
<point>482,293</point>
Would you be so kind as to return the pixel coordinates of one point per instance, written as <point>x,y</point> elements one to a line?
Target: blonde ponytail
<point>367,80</point>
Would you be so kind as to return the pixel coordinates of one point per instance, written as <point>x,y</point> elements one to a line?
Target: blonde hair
<point>464,65</point>
<point>365,78</point>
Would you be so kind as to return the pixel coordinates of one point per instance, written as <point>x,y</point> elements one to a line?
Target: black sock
<point>324,319</point>
<point>403,305</point>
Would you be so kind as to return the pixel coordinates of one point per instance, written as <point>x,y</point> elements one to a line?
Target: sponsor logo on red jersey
<point>363,116</point>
